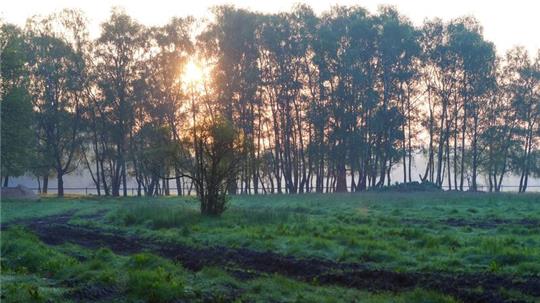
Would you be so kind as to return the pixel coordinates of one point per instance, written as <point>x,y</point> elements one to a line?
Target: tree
<point>396,52</point>
<point>458,74</point>
<point>524,89</point>
<point>499,137</point>
<point>344,56</point>
<point>154,154</point>
<point>57,69</point>
<point>118,53</point>
<point>284,50</point>
<point>217,146</point>
<point>16,106</point>
<point>160,94</point>
<point>330,102</point>
<point>232,41</point>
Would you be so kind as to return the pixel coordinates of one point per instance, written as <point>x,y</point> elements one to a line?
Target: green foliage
<point>17,135</point>
<point>216,147</point>
<point>154,155</point>
<point>155,285</point>
<point>16,106</point>
<point>22,251</point>
<point>157,216</point>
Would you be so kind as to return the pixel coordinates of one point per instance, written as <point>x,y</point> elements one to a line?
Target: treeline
<point>323,103</point>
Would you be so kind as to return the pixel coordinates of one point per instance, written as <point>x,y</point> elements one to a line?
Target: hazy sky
<point>506,23</point>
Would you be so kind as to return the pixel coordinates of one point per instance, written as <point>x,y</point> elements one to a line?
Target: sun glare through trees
<point>193,73</point>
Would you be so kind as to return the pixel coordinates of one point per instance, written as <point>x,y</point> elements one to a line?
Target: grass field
<point>371,247</point>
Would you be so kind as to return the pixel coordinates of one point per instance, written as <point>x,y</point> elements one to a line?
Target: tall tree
<point>397,51</point>
<point>57,68</point>
<point>232,40</point>
<point>118,51</point>
<point>16,106</point>
<point>160,95</point>
<point>524,88</point>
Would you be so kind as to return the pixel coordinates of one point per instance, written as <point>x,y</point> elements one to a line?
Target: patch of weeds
<point>155,285</point>
<point>423,296</point>
<point>23,288</point>
<point>158,216</point>
<point>23,252</point>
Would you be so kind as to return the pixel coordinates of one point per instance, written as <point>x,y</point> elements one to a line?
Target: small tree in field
<point>216,160</point>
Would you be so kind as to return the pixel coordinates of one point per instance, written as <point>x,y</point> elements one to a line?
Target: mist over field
<point>80,182</point>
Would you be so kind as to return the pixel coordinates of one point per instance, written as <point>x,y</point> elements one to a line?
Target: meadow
<point>368,247</point>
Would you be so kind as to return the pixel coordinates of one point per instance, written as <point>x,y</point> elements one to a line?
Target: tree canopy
<point>321,103</point>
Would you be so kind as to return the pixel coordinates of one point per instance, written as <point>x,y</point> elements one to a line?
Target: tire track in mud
<point>477,223</point>
<point>470,287</point>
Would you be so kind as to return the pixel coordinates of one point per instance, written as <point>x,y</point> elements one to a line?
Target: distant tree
<point>118,52</point>
<point>499,136</point>
<point>397,49</point>
<point>344,55</point>
<point>16,106</point>
<point>232,42</point>
<point>330,102</point>
<point>160,93</point>
<point>56,68</point>
<point>154,152</point>
<point>284,49</point>
<point>524,90</point>
<point>458,72</point>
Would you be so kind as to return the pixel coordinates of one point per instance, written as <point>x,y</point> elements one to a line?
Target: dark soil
<point>93,292</point>
<point>492,223</point>
<point>470,287</point>
<point>480,223</point>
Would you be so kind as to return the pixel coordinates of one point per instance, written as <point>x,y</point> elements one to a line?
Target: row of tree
<point>322,103</point>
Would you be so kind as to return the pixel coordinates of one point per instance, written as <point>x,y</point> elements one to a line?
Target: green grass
<point>34,272</point>
<point>403,232</point>
<point>13,210</point>
<point>407,232</point>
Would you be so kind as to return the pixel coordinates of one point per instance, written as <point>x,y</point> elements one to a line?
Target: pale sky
<point>506,23</point>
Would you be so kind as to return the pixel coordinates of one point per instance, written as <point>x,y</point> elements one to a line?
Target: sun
<point>193,73</point>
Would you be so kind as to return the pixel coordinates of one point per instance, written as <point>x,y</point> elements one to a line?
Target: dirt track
<point>480,223</point>
<point>481,287</point>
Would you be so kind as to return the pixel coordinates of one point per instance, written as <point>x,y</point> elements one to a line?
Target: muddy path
<point>477,223</point>
<point>475,287</point>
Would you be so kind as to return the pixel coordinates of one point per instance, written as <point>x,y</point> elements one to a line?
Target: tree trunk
<point>463,132</point>
<point>448,160</point>
<point>124,177</point>
<point>475,151</point>
<point>178,184</point>
<point>45,184</point>
<point>341,185</point>
<point>442,141</point>
<point>60,179</point>
<point>410,136</point>
<point>6,181</point>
